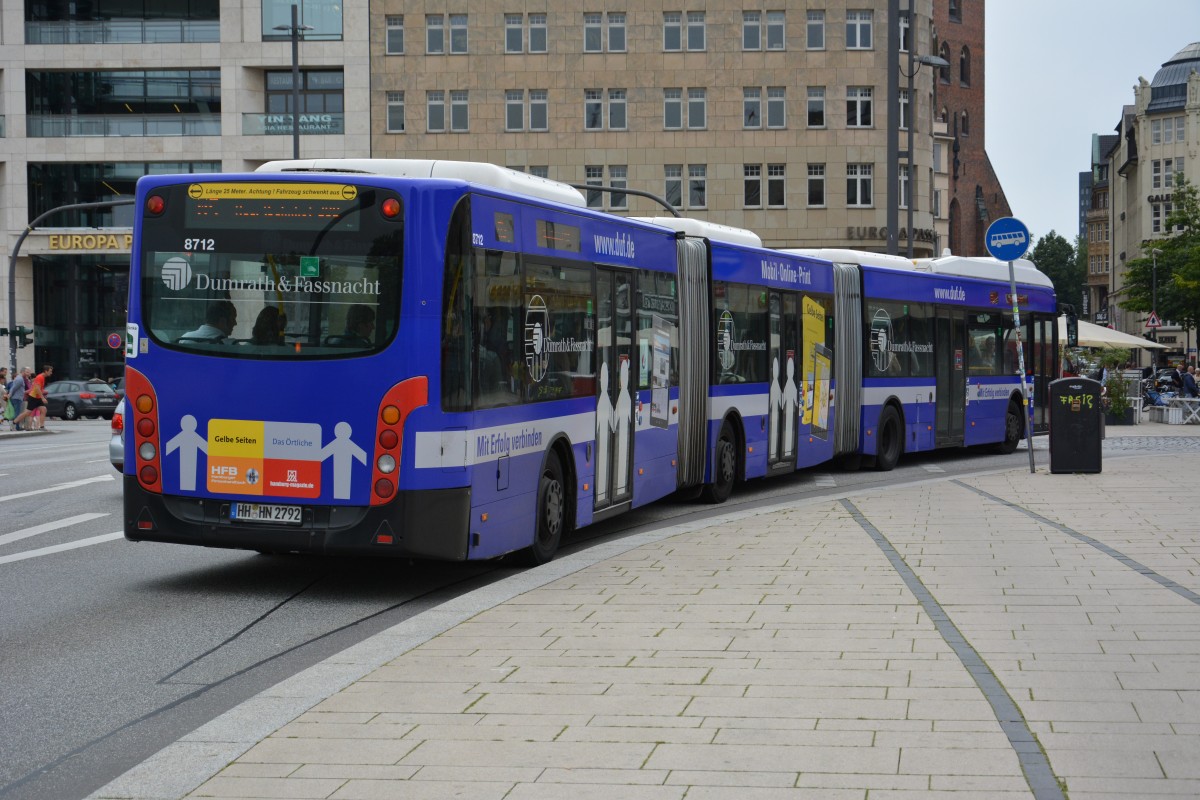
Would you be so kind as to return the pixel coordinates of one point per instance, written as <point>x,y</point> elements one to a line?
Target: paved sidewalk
<point>999,636</point>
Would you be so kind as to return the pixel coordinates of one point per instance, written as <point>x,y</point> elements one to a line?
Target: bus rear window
<point>273,305</point>
<point>272,269</point>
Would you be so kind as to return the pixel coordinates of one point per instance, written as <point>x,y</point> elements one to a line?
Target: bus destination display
<point>263,206</point>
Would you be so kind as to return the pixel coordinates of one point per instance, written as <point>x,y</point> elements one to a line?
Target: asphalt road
<point>110,650</point>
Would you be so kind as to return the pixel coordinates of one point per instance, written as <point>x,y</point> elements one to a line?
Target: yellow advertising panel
<point>239,438</point>
<point>272,191</point>
<point>812,315</point>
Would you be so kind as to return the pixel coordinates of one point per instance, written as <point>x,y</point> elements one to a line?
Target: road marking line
<point>932,468</point>
<point>824,481</point>
<point>46,527</point>
<point>59,487</point>
<point>58,548</point>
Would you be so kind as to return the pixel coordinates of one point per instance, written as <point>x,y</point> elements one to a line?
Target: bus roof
<point>709,230</point>
<point>470,171</point>
<point>845,256</point>
<point>986,267</point>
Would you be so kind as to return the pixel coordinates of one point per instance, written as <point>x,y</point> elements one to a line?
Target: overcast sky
<point>1059,71</point>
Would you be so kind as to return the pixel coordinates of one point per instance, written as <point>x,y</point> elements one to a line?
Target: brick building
<point>976,196</point>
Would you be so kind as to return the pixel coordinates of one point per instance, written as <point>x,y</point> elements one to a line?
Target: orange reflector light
<point>641,471</point>
<point>585,487</point>
<point>145,525</point>
<point>483,517</point>
<point>384,538</point>
<point>390,415</point>
<point>145,403</point>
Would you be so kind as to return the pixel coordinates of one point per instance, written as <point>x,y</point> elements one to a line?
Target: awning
<point>1091,335</point>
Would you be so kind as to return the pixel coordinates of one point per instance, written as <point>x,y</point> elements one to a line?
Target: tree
<point>1176,281</point>
<point>1055,256</point>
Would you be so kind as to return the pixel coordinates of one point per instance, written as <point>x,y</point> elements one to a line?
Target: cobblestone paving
<point>1168,443</point>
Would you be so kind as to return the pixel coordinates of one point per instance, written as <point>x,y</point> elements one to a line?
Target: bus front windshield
<point>276,291</point>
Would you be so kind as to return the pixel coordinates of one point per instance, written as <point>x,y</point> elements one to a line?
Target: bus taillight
<point>141,406</point>
<point>401,400</point>
<point>155,205</point>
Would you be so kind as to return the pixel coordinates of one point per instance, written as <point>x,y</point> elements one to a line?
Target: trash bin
<point>1076,424</point>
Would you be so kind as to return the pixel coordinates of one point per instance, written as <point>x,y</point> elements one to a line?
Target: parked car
<point>116,445</point>
<point>74,399</point>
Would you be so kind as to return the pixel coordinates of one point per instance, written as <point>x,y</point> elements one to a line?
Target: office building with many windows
<point>773,117</point>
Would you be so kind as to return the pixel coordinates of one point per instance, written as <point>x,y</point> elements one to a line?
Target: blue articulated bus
<point>457,361</point>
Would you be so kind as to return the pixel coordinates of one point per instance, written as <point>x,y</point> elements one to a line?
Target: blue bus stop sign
<point>1007,239</point>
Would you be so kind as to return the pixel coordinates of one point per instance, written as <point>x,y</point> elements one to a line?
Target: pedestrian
<point>16,394</point>
<point>35,404</point>
<point>1189,383</point>
<point>6,417</point>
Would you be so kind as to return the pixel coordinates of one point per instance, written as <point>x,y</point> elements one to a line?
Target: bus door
<point>616,388</point>
<point>951,356</point>
<point>784,396</point>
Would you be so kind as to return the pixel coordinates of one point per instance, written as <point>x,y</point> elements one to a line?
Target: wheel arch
<point>560,446</point>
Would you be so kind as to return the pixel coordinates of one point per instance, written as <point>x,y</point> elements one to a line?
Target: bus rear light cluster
<point>399,401</point>
<point>141,403</point>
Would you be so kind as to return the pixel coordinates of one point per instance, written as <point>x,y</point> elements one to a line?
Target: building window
<point>616,32</point>
<point>814,34</point>
<point>1180,130</point>
<point>752,107</point>
<point>858,185</point>
<point>904,109</point>
<point>539,110</point>
<point>594,176</point>
<point>321,92</point>
<point>776,27</point>
<point>751,30</point>
<point>964,67</point>
<point>776,188</point>
<point>816,184</point>
<point>955,11</point>
<point>776,107</point>
<point>592,32</point>
<point>395,35</point>
<point>616,110</point>
<point>1156,174</point>
<point>323,19</point>
<point>858,30</point>
<point>618,179</point>
<point>672,109</point>
<point>514,110</point>
<point>965,126</point>
<point>752,185</point>
<point>458,33</point>
<point>541,172</point>
<point>858,106</point>
<point>905,27</point>
<point>697,108</point>
<point>435,34</point>
<point>695,30</point>
<point>816,106</point>
<point>395,112</point>
<point>673,186</point>
<point>514,33</point>
<point>435,111</point>
<point>697,186</point>
<point>1155,218</point>
<point>1156,131</point>
<point>593,109</point>
<point>944,72</point>
<point>537,33</point>
<point>904,173</point>
<point>672,31</point>
<point>459,116</point>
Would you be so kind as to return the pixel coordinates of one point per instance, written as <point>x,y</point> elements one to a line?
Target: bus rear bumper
<point>421,524</point>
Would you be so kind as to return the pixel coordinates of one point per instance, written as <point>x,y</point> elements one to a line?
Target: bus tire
<point>889,443</point>
<point>724,467</point>
<point>1014,428</point>
<point>551,514</point>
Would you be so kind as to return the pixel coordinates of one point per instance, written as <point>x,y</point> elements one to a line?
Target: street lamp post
<point>294,31</point>
<point>1154,254</point>
<point>893,135</point>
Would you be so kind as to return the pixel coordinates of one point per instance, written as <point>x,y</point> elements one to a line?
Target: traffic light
<point>24,335</point>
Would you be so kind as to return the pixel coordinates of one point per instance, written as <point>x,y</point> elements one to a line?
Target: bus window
<point>741,319</point>
<point>559,332</point>
<point>983,333</point>
<point>496,320</point>
<point>657,305</point>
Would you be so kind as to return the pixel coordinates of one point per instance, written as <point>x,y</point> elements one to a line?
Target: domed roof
<point>1168,90</point>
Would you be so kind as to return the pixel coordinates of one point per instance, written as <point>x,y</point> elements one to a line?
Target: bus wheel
<point>888,442</point>
<point>724,469</point>
<point>1013,429</point>
<point>551,514</point>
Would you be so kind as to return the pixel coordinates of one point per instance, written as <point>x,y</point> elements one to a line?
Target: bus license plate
<point>264,512</point>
